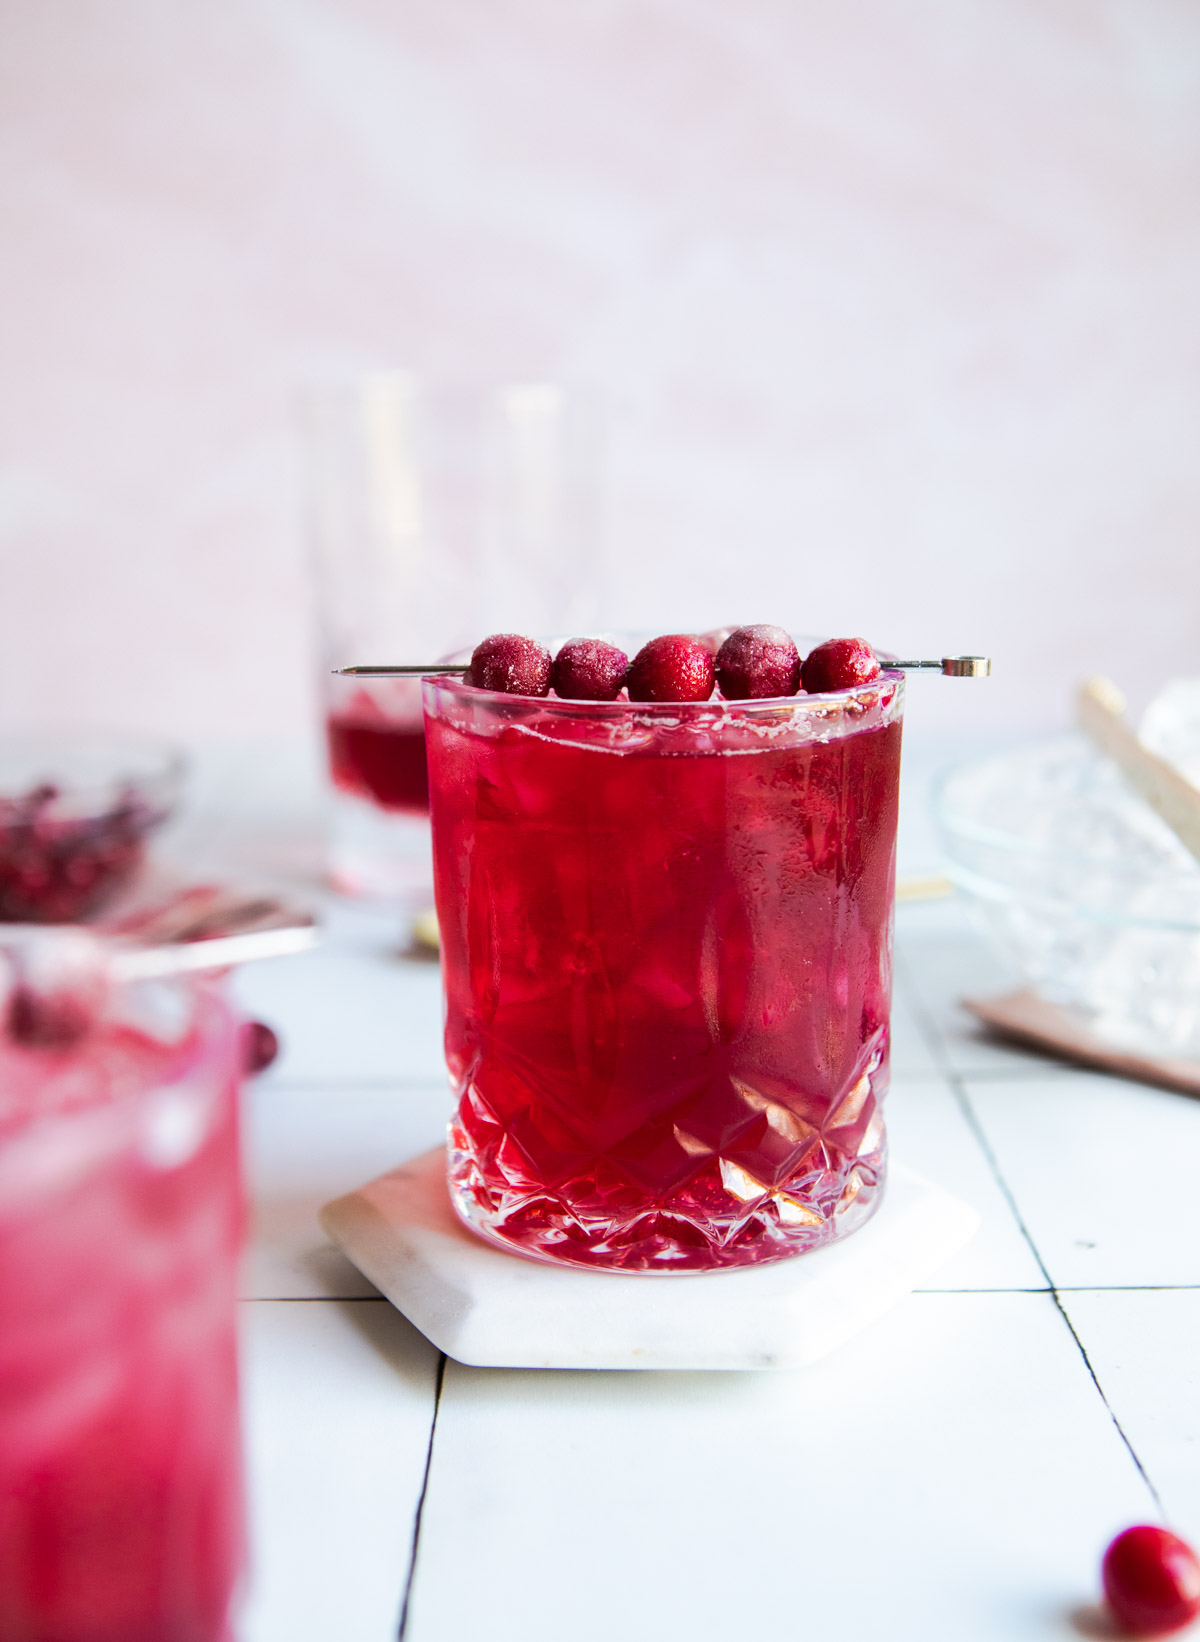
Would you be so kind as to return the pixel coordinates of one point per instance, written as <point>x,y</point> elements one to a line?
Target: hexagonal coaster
<point>495,1310</point>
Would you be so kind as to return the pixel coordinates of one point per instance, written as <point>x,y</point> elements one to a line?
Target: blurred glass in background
<point>438,513</point>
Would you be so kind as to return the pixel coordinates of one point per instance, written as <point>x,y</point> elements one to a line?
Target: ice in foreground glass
<point>666,939</point>
<point>120,1220</point>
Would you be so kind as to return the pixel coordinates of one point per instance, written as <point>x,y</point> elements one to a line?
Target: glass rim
<point>828,705</point>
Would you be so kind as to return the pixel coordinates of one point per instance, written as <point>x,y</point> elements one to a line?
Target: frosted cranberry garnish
<point>260,1046</point>
<point>839,664</point>
<point>512,664</point>
<point>755,662</point>
<point>675,667</point>
<point>589,670</point>
<point>1151,1581</point>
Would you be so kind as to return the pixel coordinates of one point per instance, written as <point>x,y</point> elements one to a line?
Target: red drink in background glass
<point>379,809</point>
<point>666,936</point>
<point>380,761</point>
<point>120,1222</point>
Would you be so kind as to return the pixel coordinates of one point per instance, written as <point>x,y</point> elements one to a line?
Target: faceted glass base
<point>721,1219</point>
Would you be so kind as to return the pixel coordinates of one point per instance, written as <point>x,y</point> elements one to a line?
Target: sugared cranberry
<point>1151,1581</point>
<point>838,664</point>
<point>511,663</point>
<point>260,1045</point>
<point>755,662</point>
<point>676,667</point>
<point>589,670</point>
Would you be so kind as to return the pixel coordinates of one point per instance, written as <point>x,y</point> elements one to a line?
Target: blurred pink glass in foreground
<point>120,1221</point>
<point>434,511</point>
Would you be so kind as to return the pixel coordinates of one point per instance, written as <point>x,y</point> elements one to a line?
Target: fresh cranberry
<point>838,664</point>
<point>676,667</point>
<point>755,662</point>
<point>260,1045</point>
<point>589,670</point>
<point>512,664</point>
<point>1151,1581</point>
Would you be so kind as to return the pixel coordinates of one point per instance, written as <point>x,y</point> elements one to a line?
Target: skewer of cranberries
<point>753,664</point>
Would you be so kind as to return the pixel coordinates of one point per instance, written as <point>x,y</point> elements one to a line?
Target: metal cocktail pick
<point>951,666</point>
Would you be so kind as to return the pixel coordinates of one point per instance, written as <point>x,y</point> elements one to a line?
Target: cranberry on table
<point>757,662</point>
<point>675,667</point>
<point>260,1046</point>
<point>839,664</point>
<point>1151,1581</point>
<point>589,670</point>
<point>512,664</point>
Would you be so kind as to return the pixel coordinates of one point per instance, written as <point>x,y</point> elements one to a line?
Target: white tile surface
<point>928,1131</point>
<point>910,1486</point>
<point>348,1013</point>
<point>306,1145</point>
<point>339,1401</point>
<point>1101,1172</point>
<point>1142,1346</point>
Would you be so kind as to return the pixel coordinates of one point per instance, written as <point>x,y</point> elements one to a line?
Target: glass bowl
<point>1092,895</point>
<point>75,813</point>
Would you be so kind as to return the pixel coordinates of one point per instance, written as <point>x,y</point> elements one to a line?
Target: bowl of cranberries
<point>756,663</point>
<point>76,812</point>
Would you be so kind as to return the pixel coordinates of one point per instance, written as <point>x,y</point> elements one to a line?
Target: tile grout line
<point>963,1100</point>
<point>1045,1288</point>
<point>313,1300</point>
<point>1133,1453</point>
<point>419,1512</point>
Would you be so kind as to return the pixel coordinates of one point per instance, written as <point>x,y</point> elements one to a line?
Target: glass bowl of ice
<point>76,811</point>
<point>1087,889</point>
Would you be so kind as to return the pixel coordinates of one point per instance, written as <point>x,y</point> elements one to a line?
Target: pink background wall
<point>895,302</point>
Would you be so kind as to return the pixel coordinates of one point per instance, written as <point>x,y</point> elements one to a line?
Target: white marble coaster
<point>496,1310</point>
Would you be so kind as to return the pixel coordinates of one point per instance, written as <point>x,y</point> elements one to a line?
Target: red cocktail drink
<point>120,1221</point>
<point>380,761</point>
<point>380,799</point>
<point>666,939</point>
